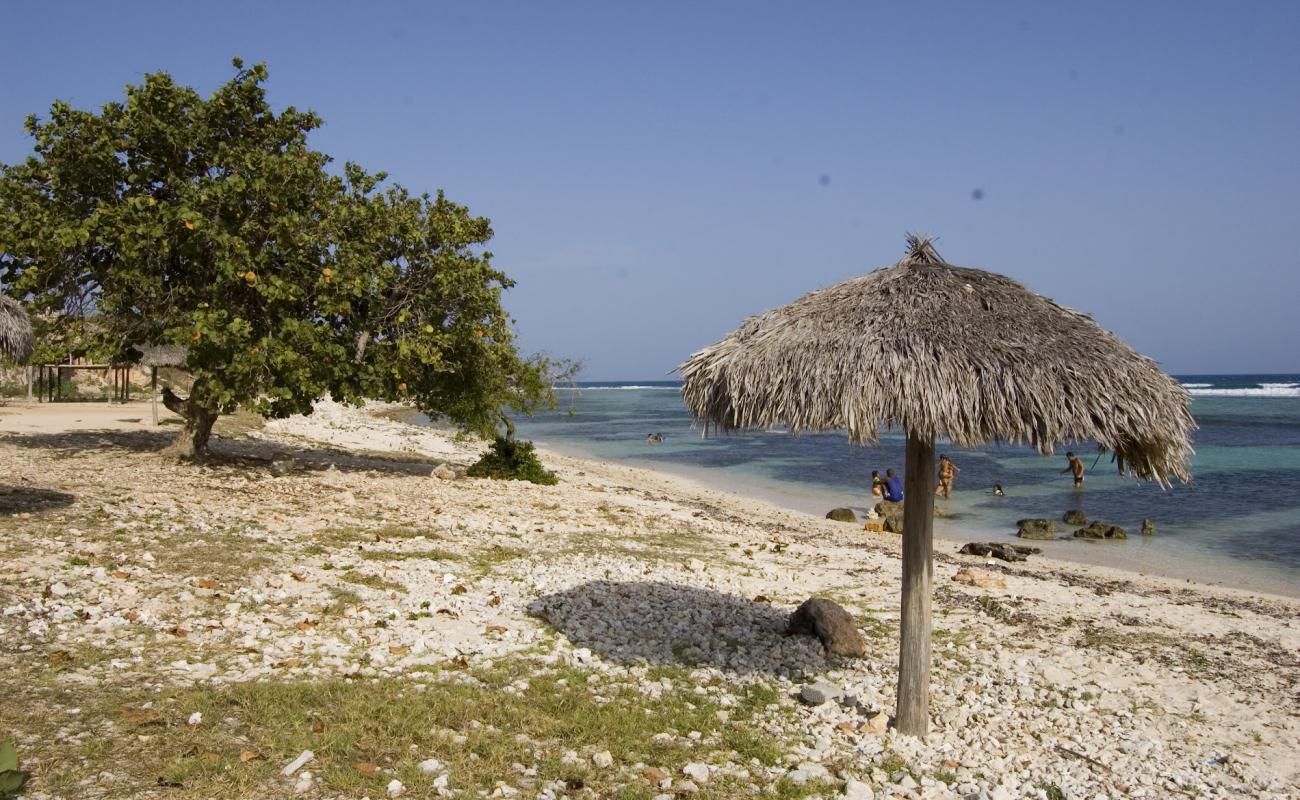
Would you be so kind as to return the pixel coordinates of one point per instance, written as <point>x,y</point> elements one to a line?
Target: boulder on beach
<point>1101,530</point>
<point>892,514</point>
<point>1002,550</point>
<point>1036,529</point>
<point>829,622</point>
<point>1148,527</point>
<point>1075,517</point>
<point>842,515</point>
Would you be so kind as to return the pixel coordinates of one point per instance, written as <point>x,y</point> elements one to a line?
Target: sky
<point>657,172</point>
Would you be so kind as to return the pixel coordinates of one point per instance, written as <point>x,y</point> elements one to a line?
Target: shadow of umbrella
<point>673,624</point>
<point>30,499</point>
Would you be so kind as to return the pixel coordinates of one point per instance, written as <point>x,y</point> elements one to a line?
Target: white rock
<point>395,788</point>
<point>303,784</point>
<point>855,789</point>
<point>430,765</point>
<point>814,694</point>
<point>808,771</point>
<point>194,719</point>
<point>603,759</point>
<point>59,589</point>
<point>296,764</point>
<point>696,771</point>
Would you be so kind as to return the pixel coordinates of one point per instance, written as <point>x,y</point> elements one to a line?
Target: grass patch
<point>433,554</point>
<point>340,600</point>
<point>385,722</point>
<point>372,581</point>
<point>484,561</point>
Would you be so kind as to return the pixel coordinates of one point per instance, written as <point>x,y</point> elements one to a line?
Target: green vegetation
<point>171,218</point>
<point>1053,791</point>
<point>373,581</point>
<point>11,778</point>
<point>509,459</point>
<point>514,712</point>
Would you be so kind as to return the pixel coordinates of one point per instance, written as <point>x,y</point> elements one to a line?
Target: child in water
<point>997,490</point>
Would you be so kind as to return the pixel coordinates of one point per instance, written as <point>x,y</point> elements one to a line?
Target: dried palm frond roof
<point>943,351</point>
<point>161,355</point>
<point>15,329</point>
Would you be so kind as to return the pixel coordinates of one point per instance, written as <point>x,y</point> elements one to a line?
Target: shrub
<point>512,460</point>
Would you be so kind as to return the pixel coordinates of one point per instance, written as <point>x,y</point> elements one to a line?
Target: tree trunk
<point>510,427</point>
<point>913,716</point>
<point>193,441</point>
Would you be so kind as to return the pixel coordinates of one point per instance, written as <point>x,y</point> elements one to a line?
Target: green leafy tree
<point>210,223</point>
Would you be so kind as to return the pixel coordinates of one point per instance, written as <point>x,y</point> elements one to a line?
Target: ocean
<point>1237,523</point>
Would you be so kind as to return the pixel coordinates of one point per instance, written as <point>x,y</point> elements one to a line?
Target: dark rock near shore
<point>1101,530</point>
<point>1002,550</point>
<point>830,623</point>
<point>1037,529</point>
<point>842,515</point>
<point>1148,527</point>
<point>1075,518</point>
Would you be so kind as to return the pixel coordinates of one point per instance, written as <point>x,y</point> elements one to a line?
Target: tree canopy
<point>211,223</point>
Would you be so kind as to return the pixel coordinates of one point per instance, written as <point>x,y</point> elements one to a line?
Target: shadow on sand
<point>675,624</point>
<point>244,453</point>
<point>31,499</point>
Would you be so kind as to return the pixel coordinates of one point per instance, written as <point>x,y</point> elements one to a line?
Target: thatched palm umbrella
<point>15,330</point>
<point>940,351</point>
<point>155,357</point>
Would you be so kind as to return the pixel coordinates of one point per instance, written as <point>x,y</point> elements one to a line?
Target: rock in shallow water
<point>1101,530</point>
<point>1075,517</point>
<point>1036,529</point>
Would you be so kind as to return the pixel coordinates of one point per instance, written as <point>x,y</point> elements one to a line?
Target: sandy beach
<point>334,584</point>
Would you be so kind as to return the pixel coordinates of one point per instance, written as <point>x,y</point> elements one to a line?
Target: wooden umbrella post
<point>913,716</point>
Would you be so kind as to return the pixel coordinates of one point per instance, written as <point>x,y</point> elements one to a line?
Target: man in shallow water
<point>1075,465</point>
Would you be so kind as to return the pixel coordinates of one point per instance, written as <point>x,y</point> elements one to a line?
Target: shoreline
<point>1114,557</point>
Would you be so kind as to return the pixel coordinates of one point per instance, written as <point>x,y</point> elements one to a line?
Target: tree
<point>212,224</point>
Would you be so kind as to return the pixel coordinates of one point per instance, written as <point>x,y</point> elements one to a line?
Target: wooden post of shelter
<point>913,716</point>
<point>153,393</point>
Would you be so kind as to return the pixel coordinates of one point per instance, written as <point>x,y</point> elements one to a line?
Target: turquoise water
<point>1237,523</point>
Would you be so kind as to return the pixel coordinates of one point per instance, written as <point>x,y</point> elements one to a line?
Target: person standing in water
<point>947,471</point>
<point>1075,465</point>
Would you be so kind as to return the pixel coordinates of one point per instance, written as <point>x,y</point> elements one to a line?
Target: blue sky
<point>657,172</point>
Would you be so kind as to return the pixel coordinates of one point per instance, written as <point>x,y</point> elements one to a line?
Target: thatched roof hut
<point>942,352</point>
<point>161,355</point>
<point>15,330</point>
